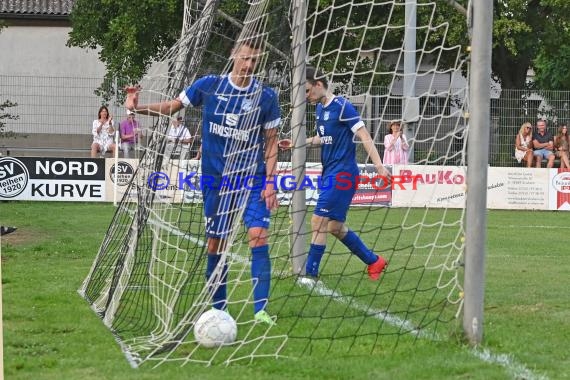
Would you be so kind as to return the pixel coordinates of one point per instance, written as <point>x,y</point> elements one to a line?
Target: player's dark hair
<point>314,76</point>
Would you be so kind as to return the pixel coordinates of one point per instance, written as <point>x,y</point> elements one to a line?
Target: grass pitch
<point>50,332</point>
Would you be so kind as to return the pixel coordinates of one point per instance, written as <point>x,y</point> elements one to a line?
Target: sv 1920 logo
<point>13,177</point>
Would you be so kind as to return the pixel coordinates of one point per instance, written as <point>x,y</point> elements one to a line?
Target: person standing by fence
<point>395,145</point>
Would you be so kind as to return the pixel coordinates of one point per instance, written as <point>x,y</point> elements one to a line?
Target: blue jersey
<point>337,123</point>
<point>233,123</point>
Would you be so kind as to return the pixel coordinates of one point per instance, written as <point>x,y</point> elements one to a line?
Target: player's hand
<point>132,100</point>
<point>383,172</point>
<point>270,196</point>
<point>285,144</point>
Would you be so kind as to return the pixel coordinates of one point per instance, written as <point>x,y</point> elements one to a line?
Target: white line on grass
<point>532,227</point>
<point>403,324</point>
<point>515,369</point>
<point>500,226</point>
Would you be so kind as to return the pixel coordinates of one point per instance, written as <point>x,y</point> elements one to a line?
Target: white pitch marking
<point>516,370</point>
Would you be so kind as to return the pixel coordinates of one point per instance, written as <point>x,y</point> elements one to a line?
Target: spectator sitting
<point>395,145</point>
<point>561,144</point>
<point>543,145</point>
<point>130,133</point>
<point>523,144</point>
<point>178,140</point>
<point>103,132</point>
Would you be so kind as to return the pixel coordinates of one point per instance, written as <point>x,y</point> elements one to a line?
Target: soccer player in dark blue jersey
<point>337,122</point>
<point>239,139</point>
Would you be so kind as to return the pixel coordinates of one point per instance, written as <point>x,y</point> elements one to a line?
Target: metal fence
<point>55,115</point>
<point>512,108</point>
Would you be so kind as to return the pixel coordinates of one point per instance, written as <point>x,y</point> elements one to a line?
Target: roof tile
<point>37,7</point>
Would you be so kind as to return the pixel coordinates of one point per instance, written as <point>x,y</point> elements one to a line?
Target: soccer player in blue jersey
<point>239,137</point>
<point>337,122</point>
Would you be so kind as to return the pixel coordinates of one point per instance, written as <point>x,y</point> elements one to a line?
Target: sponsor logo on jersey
<point>326,115</point>
<point>247,105</point>
<point>222,98</point>
<point>232,119</point>
<point>224,131</point>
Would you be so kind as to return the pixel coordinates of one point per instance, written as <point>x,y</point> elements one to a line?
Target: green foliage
<point>526,34</point>
<point>531,34</point>
<point>517,30</point>
<point>7,116</point>
<point>553,56</point>
<point>129,35</point>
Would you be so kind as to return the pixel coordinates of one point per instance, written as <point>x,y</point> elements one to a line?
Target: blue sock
<point>314,259</point>
<point>260,276</point>
<point>219,295</point>
<point>357,247</point>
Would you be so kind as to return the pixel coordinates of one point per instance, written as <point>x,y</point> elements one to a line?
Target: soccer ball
<point>215,328</point>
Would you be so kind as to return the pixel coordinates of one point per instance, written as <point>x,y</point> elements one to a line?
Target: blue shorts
<point>222,209</point>
<point>333,201</point>
<point>544,153</point>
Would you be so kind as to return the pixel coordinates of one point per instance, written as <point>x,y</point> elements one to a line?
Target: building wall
<point>53,86</point>
<point>42,51</point>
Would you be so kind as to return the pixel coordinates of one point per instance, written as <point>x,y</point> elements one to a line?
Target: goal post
<point>478,160</point>
<point>298,136</point>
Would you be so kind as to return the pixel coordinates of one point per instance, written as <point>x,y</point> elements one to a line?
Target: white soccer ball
<point>215,328</point>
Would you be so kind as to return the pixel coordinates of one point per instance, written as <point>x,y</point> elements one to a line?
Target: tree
<point>129,35</point>
<point>526,34</point>
<point>553,54</point>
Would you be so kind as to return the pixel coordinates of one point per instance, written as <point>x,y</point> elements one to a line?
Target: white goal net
<point>148,280</point>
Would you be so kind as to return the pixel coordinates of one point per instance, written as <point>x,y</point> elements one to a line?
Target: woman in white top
<point>103,133</point>
<point>523,144</point>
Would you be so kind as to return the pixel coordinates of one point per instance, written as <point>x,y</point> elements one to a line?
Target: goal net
<point>148,280</point>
